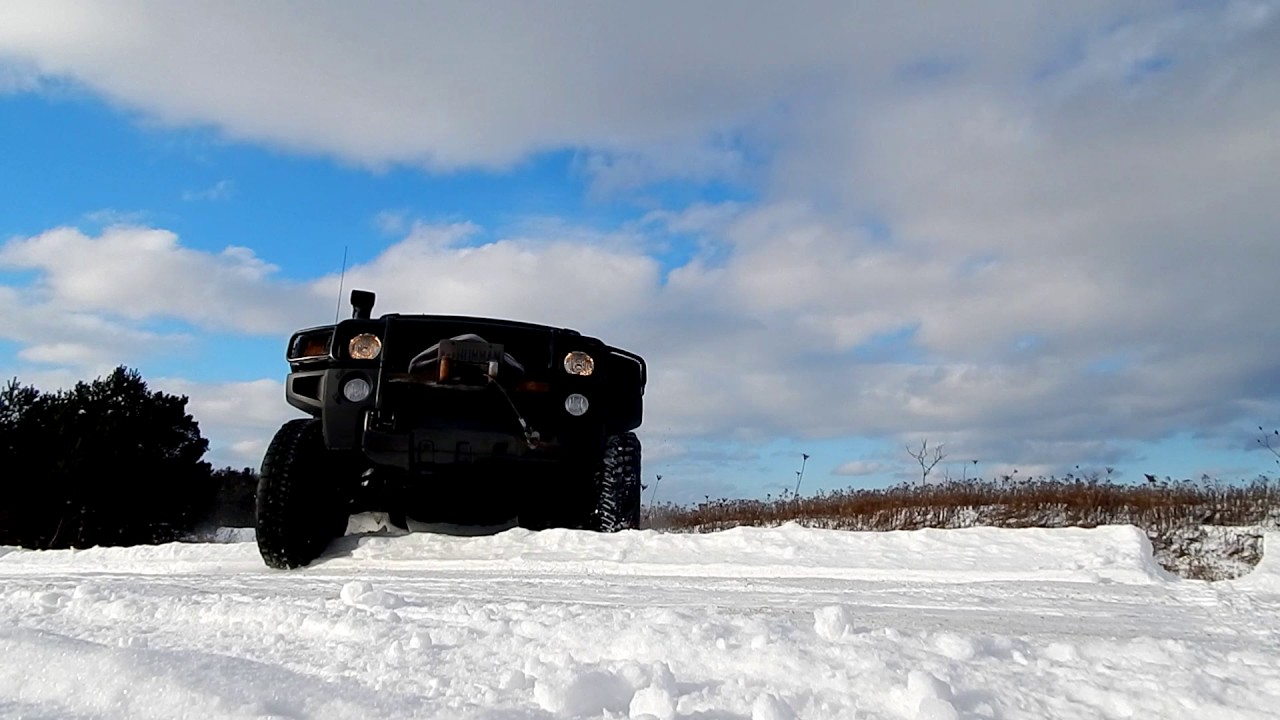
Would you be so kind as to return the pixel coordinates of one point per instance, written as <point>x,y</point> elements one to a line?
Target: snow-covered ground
<point>749,623</point>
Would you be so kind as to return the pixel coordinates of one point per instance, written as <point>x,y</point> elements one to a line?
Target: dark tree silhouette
<point>106,462</point>
<point>235,503</point>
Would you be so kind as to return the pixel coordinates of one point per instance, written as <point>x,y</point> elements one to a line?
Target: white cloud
<point>1077,208</point>
<point>220,190</point>
<point>581,282</point>
<point>756,348</point>
<point>239,418</point>
<point>86,342</point>
<point>391,222</point>
<point>664,87</point>
<point>57,353</point>
<point>135,273</point>
<point>859,468</point>
<point>44,379</point>
<point>18,77</point>
<point>110,216</point>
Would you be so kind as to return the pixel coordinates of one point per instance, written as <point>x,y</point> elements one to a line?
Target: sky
<point>1042,236</point>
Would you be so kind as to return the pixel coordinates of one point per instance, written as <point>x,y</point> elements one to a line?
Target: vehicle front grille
<point>406,338</point>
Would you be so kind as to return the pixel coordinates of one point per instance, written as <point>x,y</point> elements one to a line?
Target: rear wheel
<point>301,505</point>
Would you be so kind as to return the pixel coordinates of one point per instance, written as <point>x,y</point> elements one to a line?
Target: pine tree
<point>106,462</point>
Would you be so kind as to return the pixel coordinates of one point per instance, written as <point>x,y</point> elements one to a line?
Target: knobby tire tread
<point>618,485</point>
<point>293,503</point>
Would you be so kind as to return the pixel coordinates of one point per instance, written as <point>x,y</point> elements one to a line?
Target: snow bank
<point>754,624</point>
<point>1113,553</point>
<point>223,535</point>
<point>1104,554</point>
<point>144,559</point>
<point>1266,575</point>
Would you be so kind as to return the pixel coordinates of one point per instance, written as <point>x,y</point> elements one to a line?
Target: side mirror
<point>362,304</point>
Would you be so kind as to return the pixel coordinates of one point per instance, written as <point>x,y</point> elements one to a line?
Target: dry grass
<point>1173,514</point>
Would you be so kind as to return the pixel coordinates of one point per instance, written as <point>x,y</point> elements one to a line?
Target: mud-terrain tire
<point>300,508</point>
<point>617,486</point>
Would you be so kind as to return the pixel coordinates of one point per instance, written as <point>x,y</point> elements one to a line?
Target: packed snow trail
<point>763,624</point>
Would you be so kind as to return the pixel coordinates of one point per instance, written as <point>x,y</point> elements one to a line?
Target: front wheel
<point>300,506</point>
<point>617,485</point>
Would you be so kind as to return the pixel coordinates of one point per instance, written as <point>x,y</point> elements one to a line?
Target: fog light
<point>576,405</point>
<point>356,389</point>
<point>365,346</point>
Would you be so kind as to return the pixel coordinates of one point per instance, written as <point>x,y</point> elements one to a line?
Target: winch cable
<point>531,436</point>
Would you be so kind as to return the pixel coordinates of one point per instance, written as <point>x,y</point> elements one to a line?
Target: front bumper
<point>412,426</point>
<point>435,448</point>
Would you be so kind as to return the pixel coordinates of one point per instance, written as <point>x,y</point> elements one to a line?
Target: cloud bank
<point>1033,230</point>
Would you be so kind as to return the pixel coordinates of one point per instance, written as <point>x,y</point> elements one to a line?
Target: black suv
<point>445,418</point>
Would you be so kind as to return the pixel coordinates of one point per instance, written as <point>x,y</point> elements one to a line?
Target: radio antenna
<point>341,279</point>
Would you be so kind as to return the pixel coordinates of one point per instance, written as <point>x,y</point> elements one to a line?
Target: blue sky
<point>831,230</point>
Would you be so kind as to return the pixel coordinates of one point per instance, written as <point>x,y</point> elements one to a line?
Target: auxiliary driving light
<point>364,346</point>
<point>310,345</point>
<point>576,405</point>
<point>579,363</point>
<point>356,389</point>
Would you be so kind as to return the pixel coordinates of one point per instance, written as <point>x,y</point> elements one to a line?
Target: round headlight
<point>356,389</point>
<point>576,405</point>
<point>579,363</point>
<point>365,346</point>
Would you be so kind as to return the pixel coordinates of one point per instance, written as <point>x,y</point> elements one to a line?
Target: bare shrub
<point>1172,513</point>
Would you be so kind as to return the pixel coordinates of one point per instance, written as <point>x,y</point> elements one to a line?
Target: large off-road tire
<point>617,486</point>
<point>300,506</point>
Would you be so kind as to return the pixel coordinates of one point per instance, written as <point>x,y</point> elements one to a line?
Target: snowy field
<point>750,623</point>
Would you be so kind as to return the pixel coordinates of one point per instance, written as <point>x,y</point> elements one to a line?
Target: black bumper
<point>417,428</point>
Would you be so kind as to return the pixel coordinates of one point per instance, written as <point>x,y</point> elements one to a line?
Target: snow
<point>1212,552</point>
<point>1266,575</point>
<point>224,535</point>
<point>761,624</point>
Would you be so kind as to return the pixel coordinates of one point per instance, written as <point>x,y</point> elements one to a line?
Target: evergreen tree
<point>106,462</point>
<point>236,497</point>
<point>29,488</point>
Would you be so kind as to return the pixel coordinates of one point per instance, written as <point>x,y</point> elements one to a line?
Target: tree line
<point>109,462</point>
